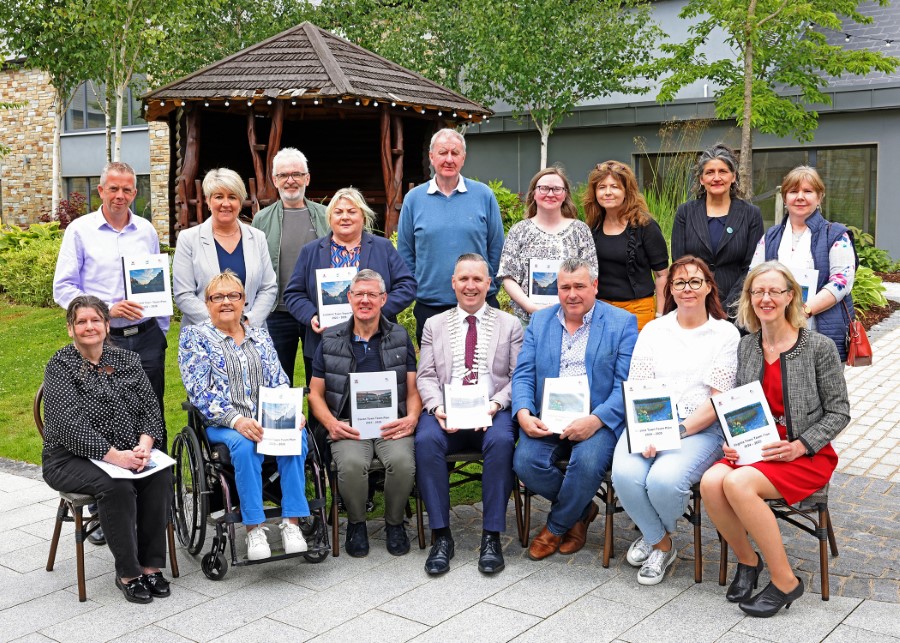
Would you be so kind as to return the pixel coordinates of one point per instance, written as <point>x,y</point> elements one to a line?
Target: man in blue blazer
<point>580,336</point>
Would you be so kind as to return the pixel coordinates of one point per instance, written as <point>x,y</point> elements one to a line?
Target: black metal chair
<point>71,506</point>
<point>811,516</point>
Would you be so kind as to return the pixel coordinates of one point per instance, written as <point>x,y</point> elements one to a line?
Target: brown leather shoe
<point>544,545</point>
<point>573,540</point>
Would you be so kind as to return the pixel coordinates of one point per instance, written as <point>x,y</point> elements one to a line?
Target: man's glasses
<point>283,176</point>
<point>695,284</point>
<point>365,294</point>
<point>219,297</point>
<point>547,189</point>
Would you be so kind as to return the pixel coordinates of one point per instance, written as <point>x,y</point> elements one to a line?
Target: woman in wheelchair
<point>223,363</point>
<point>98,405</point>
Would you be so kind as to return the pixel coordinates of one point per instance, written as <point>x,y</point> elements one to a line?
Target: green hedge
<point>26,273</point>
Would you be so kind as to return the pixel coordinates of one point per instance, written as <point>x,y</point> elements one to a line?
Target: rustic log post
<point>258,169</point>
<point>267,190</point>
<point>386,167</point>
<point>392,210</point>
<point>198,189</point>
<point>191,156</point>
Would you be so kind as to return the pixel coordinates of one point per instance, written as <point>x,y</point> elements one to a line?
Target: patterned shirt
<point>343,257</point>
<point>89,409</point>
<point>223,379</point>
<point>574,346</point>
<point>527,241</point>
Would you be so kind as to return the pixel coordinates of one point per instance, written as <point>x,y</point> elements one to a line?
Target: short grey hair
<point>447,132</point>
<point>221,178</point>
<point>367,274</point>
<point>473,256</point>
<point>117,167</point>
<point>718,152</point>
<point>573,264</point>
<point>287,154</point>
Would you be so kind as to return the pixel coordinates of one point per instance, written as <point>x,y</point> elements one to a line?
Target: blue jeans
<point>248,476</point>
<point>569,493</point>
<point>496,446</point>
<point>655,491</point>
<point>286,333</point>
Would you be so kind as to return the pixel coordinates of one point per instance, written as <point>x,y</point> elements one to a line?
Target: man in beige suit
<point>467,344</point>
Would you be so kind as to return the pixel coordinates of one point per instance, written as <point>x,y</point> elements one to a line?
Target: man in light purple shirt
<point>90,263</point>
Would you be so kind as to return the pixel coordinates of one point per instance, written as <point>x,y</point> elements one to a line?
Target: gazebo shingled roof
<point>309,86</point>
<point>307,61</point>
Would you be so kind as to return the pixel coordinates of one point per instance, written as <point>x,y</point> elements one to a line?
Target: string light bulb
<point>206,103</point>
<point>162,103</point>
<point>375,104</point>
<point>340,100</point>
<point>393,103</point>
<point>316,101</point>
<point>293,101</point>
<point>357,102</point>
<point>227,103</point>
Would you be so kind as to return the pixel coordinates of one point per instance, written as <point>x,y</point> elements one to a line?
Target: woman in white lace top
<point>694,347</point>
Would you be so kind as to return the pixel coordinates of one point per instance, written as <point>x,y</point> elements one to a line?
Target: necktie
<point>471,340</point>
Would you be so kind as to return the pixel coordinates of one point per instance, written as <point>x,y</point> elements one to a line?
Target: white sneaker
<point>257,544</point>
<point>654,569</point>
<point>292,538</point>
<point>639,552</point>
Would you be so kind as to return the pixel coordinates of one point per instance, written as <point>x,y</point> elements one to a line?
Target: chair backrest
<point>37,410</point>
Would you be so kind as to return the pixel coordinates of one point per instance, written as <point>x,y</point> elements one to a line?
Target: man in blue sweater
<point>443,219</point>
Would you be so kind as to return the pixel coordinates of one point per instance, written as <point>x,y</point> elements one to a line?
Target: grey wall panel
<point>83,154</point>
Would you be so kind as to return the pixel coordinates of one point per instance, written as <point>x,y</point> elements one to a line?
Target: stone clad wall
<point>159,178</point>
<point>26,172</point>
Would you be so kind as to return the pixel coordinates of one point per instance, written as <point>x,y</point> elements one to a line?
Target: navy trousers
<point>496,445</point>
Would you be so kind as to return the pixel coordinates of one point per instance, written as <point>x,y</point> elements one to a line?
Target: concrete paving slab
<point>809,620</point>
<point>372,627</point>
<point>150,633</point>
<point>692,616</point>
<point>588,618</point>
<point>878,617</point>
<point>31,616</point>
<point>265,629</point>
<point>16,538</point>
<point>483,622</point>
<point>848,634</point>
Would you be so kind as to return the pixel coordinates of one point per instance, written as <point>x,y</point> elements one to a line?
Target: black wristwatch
<point>682,430</point>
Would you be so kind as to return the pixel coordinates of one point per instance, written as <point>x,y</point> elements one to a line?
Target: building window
<point>87,185</point>
<point>849,174</point>
<point>85,111</point>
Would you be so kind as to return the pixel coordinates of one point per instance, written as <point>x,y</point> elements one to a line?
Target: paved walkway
<point>381,598</point>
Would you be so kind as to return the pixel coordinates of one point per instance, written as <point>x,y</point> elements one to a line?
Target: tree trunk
<point>545,135</point>
<point>60,101</point>
<point>107,125</point>
<point>120,106</point>
<point>746,162</point>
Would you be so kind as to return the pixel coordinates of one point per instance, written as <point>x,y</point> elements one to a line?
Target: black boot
<point>745,581</point>
<point>770,600</point>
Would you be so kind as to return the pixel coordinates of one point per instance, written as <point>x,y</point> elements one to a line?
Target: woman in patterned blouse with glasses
<point>631,251</point>
<point>550,230</point>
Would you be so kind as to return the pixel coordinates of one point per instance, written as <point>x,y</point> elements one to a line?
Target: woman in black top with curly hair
<point>632,258</point>
<point>718,225</point>
<point>98,405</point>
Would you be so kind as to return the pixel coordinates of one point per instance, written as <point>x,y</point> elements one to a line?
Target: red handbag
<point>859,351</point>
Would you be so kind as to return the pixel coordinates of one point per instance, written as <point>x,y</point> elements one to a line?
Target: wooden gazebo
<point>360,119</point>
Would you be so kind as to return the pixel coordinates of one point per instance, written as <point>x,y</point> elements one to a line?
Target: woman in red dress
<point>803,381</point>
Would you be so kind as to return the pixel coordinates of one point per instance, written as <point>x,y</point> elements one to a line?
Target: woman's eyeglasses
<point>218,298</point>
<point>773,294</point>
<point>695,284</point>
<point>547,189</point>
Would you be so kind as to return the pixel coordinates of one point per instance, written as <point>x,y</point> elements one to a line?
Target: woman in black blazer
<point>718,226</point>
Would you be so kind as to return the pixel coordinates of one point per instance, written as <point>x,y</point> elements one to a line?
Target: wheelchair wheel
<point>190,492</point>
<point>214,566</point>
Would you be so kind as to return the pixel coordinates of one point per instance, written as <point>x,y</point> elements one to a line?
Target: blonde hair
<point>802,174</point>
<point>221,178</point>
<point>355,197</point>
<point>227,277</point>
<point>746,316</point>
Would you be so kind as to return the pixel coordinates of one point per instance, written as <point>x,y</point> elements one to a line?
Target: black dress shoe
<point>442,551</point>
<point>158,586</point>
<point>490,560</point>
<point>357,544</point>
<point>397,540</point>
<point>770,600</point>
<point>745,581</point>
<point>135,590</point>
<point>96,537</point>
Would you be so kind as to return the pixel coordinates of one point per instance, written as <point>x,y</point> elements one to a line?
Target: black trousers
<point>133,513</point>
<point>151,345</point>
<point>424,312</point>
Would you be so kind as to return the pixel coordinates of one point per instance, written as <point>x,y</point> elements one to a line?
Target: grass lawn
<point>28,339</point>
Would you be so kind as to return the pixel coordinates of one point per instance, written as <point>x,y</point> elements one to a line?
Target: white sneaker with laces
<point>292,538</point>
<point>654,569</point>
<point>257,544</point>
<point>639,552</point>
